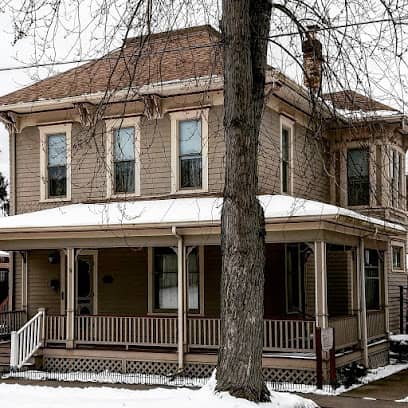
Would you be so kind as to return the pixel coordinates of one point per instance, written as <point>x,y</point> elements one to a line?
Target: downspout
<point>180,298</point>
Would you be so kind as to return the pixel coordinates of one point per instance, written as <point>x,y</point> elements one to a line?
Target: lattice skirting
<point>192,370</point>
<point>379,359</point>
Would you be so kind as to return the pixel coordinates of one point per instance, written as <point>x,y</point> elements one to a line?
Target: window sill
<point>55,200</point>
<point>162,313</point>
<point>191,191</point>
<point>398,270</point>
<point>123,195</point>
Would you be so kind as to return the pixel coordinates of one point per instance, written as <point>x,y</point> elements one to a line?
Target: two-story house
<point>116,192</point>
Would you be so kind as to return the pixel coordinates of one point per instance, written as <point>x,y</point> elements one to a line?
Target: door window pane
<point>124,160</point>
<point>358,176</point>
<point>190,154</point>
<point>294,276</point>
<point>57,165</point>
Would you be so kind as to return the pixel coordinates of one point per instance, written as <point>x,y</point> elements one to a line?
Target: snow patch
<point>29,396</point>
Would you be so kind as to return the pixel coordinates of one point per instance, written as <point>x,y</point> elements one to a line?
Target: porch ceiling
<point>194,215</point>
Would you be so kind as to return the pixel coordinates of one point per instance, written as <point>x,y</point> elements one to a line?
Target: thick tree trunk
<point>245,29</point>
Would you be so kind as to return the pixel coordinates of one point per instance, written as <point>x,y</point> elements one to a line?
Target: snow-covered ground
<point>29,396</point>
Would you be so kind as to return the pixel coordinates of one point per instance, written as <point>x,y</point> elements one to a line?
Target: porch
<point>148,295</point>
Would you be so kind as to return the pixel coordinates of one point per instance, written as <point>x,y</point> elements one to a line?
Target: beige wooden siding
<point>395,280</point>
<point>309,177</point>
<point>339,294</point>
<point>310,287</point>
<point>17,281</point>
<point>127,294</point>
<point>40,273</point>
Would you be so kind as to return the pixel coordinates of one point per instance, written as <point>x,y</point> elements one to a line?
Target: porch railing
<point>135,331</point>
<point>375,325</point>
<point>55,329</point>
<point>204,333</point>
<point>27,340</point>
<point>346,331</point>
<point>11,321</point>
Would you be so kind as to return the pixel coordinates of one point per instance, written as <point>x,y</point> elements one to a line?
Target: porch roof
<point>191,211</point>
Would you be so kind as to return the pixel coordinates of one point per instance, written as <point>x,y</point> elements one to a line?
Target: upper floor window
<point>124,160</point>
<point>189,134</point>
<point>358,181</point>
<point>190,154</point>
<point>55,157</point>
<point>396,177</point>
<point>57,165</point>
<point>123,150</point>
<point>286,155</point>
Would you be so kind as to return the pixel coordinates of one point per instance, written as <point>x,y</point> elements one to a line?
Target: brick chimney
<point>312,60</point>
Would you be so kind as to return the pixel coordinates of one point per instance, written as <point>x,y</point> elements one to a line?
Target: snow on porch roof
<point>190,211</point>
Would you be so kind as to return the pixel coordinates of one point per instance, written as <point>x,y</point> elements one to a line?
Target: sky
<point>95,40</point>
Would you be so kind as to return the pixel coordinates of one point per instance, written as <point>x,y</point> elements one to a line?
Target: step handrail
<point>27,340</point>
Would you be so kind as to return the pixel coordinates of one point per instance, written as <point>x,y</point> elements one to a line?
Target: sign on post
<point>327,339</point>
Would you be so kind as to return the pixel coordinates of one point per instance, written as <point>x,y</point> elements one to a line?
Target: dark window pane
<point>193,280</point>
<point>293,278</point>
<point>125,177</point>
<point>57,181</point>
<point>285,183</point>
<point>373,294</point>
<point>358,176</point>
<point>165,279</point>
<point>190,172</point>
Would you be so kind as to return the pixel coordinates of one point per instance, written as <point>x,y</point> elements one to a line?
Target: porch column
<point>24,281</point>
<point>70,296</point>
<point>322,319</point>
<point>180,299</point>
<point>362,296</point>
<point>384,278</point>
<point>11,281</point>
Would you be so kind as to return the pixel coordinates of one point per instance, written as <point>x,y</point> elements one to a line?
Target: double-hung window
<point>55,156</point>
<point>165,289</point>
<point>397,257</point>
<point>358,180</point>
<point>287,129</point>
<point>57,165</point>
<point>123,156</point>
<point>190,154</point>
<point>124,160</point>
<point>189,151</point>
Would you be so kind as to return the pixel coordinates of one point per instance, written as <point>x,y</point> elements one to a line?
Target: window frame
<point>111,126</point>
<point>369,163</point>
<point>401,247</point>
<point>288,124</point>
<point>152,311</point>
<point>45,132</point>
<point>176,118</point>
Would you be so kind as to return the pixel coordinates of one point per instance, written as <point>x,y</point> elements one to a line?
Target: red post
<point>319,358</point>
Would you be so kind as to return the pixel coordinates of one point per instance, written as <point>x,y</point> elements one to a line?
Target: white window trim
<point>150,285</point>
<point>45,131</point>
<point>289,124</point>
<point>111,125</point>
<point>175,118</point>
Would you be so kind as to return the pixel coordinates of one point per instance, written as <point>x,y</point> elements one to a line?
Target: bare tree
<point>248,27</point>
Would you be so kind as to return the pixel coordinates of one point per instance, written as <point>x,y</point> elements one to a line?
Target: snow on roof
<point>4,254</point>
<point>190,210</point>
